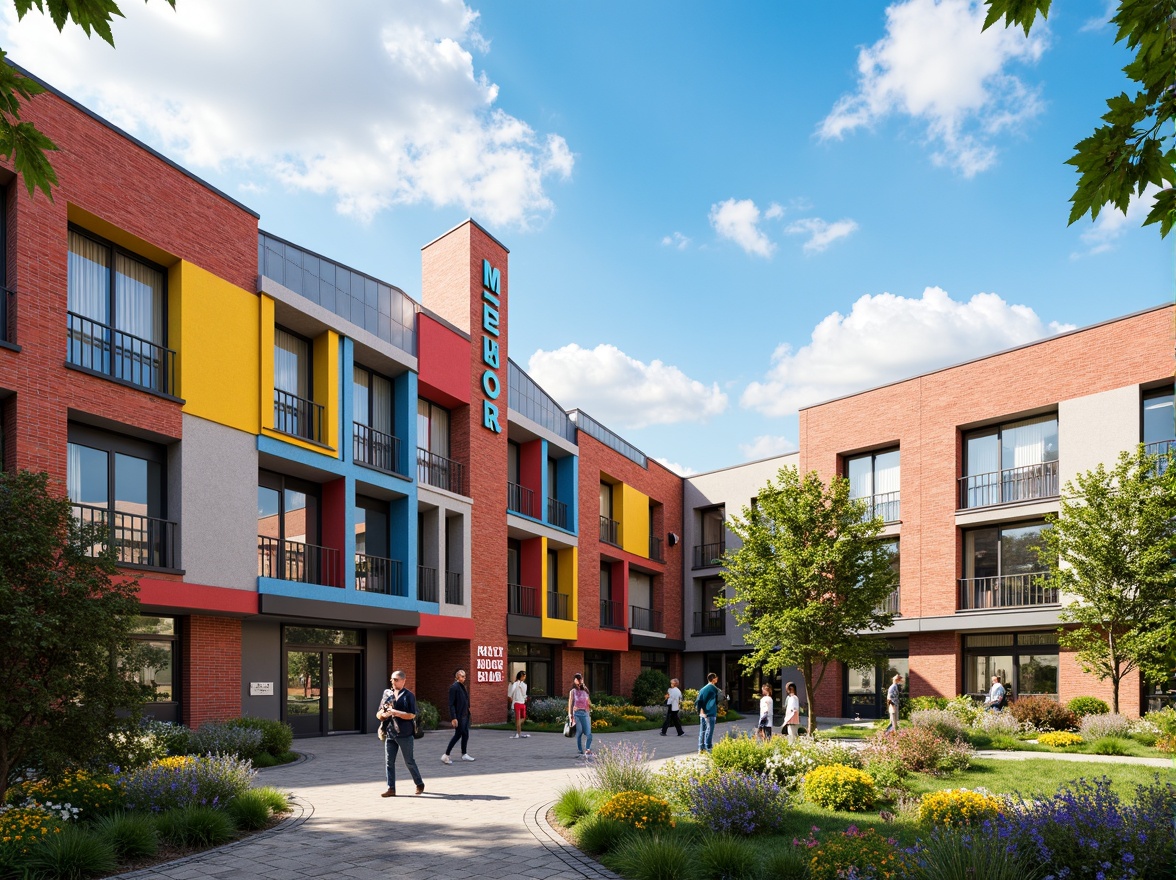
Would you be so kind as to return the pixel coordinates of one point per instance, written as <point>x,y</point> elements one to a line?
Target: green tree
<point>1134,148</point>
<point>65,635</point>
<point>1113,548</point>
<point>810,578</point>
<point>22,142</point>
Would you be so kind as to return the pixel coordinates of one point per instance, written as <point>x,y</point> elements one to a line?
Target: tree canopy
<point>1134,148</point>
<point>65,634</point>
<point>810,578</point>
<point>1112,548</point>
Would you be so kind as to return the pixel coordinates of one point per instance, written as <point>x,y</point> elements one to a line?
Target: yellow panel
<point>266,368</point>
<point>326,382</point>
<point>566,562</point>
<point>634,521</point>
<point>213,326</point>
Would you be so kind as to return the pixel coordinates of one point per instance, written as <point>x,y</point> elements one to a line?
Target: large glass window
<point>433,428</point>
<point>288,532</point>
<point>1027,663</point>
<point>295,411</point>
<point>158,637</point>
<point>598,672</point>
<point>874,479</point>
<point>1159,421</point>
<point>372,402</point>
<point>712,528</point>
<point>1008,463</point>
<point>1002,568</point>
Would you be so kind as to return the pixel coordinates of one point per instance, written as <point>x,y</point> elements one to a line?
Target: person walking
<point>995,701</point>
<point>459,712</point>
<point>579,713</point>
<point>398,709</point>
<point>707,704</point>
<point>673,707</point>
<point>791,712</point>
<point>517,693</point>
<point>767,710</point>
<point>893,698</point>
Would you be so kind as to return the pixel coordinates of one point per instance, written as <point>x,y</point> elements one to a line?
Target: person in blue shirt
<point>707,704</point>
<point>398,708</point>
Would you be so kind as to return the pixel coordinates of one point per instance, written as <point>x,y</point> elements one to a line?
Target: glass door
<point>304,680</point>
<point>343,694</point>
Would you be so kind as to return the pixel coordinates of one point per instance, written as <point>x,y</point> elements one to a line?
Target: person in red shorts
<point>518,696</point>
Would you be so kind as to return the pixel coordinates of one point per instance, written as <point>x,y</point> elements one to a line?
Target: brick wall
<point>1073,682</point>
<point>436,664</point>
<point>935,671</point>
<point>211,672</point>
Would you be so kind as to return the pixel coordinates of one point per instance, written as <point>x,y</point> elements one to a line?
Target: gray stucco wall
<point>261,660</point>
<point>1093,430</point>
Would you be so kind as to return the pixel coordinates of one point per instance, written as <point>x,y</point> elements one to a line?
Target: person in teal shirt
<point>707,705</point>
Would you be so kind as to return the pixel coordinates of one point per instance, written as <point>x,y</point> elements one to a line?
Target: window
<point>288,532</point>
<point>116,314</point>
<point>118,482</point>
<point>658,660</point>
<point>558,604</point>
<point>295,412</point>
<point>1008,463</point>
<point>598,672</point>
<point>611,613</point>
<point>158,639</point>
<point>372,404</point>
<point>374,571</point>
<point>891,605</point>
<point>641,613</point>
<point>434,466</point>
<point>557,511</point>
<point>608,525</point>
<point>709,620</point>
<point>1027,663</point>
<point>874,479</point>
<point>519,498</point>
<point>1159,421</point>
<point>713,529</point>
<point>1002,570</point>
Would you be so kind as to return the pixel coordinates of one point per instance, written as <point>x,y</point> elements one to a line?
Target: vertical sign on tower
<point>491,384</point>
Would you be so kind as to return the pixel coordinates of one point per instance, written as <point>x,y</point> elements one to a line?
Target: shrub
<point>622,767</point>
<point>724,857</point>
<point>837,787</point>
<point>1094,727</point>
<point>941,722</point>
<point>957,855</point>
<point>654,713</point>
<point>1000,723</point>
<point>1108,745</point>
<point>649,689</point>
<point>742,754</point>
<point>919,704</point>
<point>1043,713</point>
<point>573,805</point>
<point>601,700</point>
<point>1167,744</point>
<point>548,710</point>
<point>93,794</point>
<point>958,808</point>
<point>196,826</point>
<point>133,835</point>
<point>650,857</point>
<point>600,724</point>
<point>181,781</point>
<point>688,697</point>
<point>888,774</point>
<point>427,715</point>
<point>787,764</point>
<point>217,738</point>
<point>1059,739</point>
<point>250,811</point>
<point>677,778</point>
<point>639,811</point>
<point>1083,706</point>
<point>919,750</point>
<point>598,834</point>
<point>966,709</point>
<point>276,737</point>
<point>23,828</point>
<point>864,855</point>
<point>166,735</point>
<point>72,854</point>
<point>737,803</point>
<point>1163,719</point>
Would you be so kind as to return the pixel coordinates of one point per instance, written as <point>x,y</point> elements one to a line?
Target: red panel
<point>531,564</point>
<point>335,520</point>
<point>440,626</point>
<point>444,363</point>
<point>179,596</point>
<point>531,473</point>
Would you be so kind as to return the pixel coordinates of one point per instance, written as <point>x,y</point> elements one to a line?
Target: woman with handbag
<point>398,709</point>
<point>579,713</point>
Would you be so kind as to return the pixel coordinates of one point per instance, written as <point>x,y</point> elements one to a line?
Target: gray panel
<point>330,613</point>
<point>261,661</point>
<point>655,643</point>
<point>377,672</point>
<point>521,627</point>
<point>219,505</point>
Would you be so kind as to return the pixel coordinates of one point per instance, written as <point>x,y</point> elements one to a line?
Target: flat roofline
<point>130,137</point>
<point>485,231</point>
<point>735,467</point>
<point>985,357</point>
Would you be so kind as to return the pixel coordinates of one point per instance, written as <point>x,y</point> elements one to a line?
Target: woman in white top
<point>791,712</point>
<point>767,710</point>
<point>517,693</point>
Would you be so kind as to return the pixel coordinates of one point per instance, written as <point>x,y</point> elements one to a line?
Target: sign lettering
<point>491,383</point>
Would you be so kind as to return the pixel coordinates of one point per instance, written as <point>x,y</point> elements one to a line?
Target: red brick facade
<point>211,669</point>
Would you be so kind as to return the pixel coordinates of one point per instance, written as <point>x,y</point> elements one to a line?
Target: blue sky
<point>716,213</point>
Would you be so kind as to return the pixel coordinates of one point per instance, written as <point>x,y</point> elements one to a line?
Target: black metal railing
<point>557,513</point>
<point>376,449</point>
<point>298,416</point>
<point>1161,449</point>
<point>612,614</point>
<point>454,589</point>
<point>645,618</point>
<point>137,539</point>
<point>1010,485</point>
<point>608,530</point>
<point>295,561</point>
<point>655,549</point>
<point>522,600</point>
<point>710,623</point>
<point>890,604</point>
<point>885,505</point>
<point>7,322</point>
<point>520,499</point>
<point>120,355</point>
<point>444,473</point>
<point>377,574</point>
<point>1007,591</point>
<point>426,583</point>
<point>706,555</point>
<point>559,606</point>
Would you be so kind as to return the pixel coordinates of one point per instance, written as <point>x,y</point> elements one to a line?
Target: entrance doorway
<point>865,688</point>
<point>324,682</point>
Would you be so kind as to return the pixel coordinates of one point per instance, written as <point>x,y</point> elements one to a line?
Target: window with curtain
<point>1017,461</point>
<point>292,364</point>
<point>433,428</point>
<point>373,400</point>
<point>874,478</point>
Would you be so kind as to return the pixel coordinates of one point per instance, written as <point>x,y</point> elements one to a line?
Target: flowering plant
<point>958,807</point>
<point>641,812</point>
<point>837,787</point>
<point>21,828</point>
<point>1001,722</point>
<point>1094,727</point>
<point>943,722</point>
<point>622,767</point>
<point>91,794</point>
<point>919,750</point>
<point>182,781</point>
<point>1059,739</point>
<point>857,855</point>
<point>737,803</point>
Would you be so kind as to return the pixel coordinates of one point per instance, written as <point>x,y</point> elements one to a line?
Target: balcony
<point>608,530</point>
<point>7,307</point>
<point>521,600</point>
<point>298,416</point>
<point>1007,591</point>
<point>891,604</point>
<point>130,359</point>
<point>375,449</point>
<point>295,561</point>
<point>710,623</point>
<point>559,606</point>
<point>444,473</point>
<point>557,513</point>
<point>520,499</point>
<point>612,614</point>
<point>645,618</point>
<point>1161,449</point>
<point>137,539</point>
<point>655,549</point>
<point>1010,485</point>
<point>885,505</point>
<point>706,555</point>
<point>376,574</point>
<point>454,589</point>
<point>426,583</point>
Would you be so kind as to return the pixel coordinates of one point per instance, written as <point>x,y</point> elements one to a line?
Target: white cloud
<point>375,104</point>
<point>1112,224</point>
<point>623,392</point>
<point>1101,22</point>
<point>885,338</point>
<point>821,233</point>
<point>676,240</point>
<point>767,446</point>
<point>680,469</point>
<point>936,65</point>
<point>774,212</point>
<point>738,221</point>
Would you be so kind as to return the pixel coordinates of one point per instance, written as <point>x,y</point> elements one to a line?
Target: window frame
<point>111,303</point>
